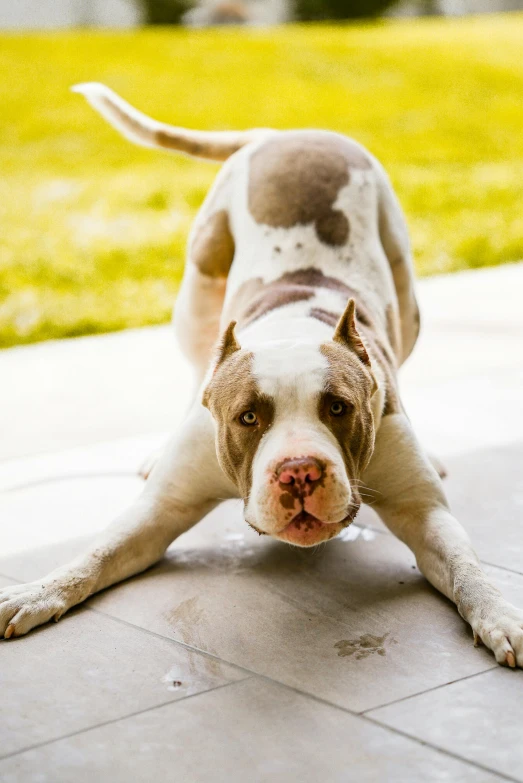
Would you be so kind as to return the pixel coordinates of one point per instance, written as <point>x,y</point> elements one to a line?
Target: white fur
<point>290,369</point>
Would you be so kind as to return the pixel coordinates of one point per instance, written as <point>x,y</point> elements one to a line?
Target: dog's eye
<point>249,418</point>
<point>337,408</point>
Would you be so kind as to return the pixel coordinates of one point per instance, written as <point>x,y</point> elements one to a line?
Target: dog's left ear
<point>347,334</point>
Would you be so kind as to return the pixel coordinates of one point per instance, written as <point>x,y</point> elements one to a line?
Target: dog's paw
<point>23,607</point>
<point>502,632</point>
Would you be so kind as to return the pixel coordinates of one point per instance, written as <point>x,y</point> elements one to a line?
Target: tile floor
<point>238,658</point>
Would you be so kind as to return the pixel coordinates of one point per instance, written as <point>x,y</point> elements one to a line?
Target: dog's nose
<point>305,470</point>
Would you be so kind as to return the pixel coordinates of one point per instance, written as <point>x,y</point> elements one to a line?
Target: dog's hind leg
<point>198,307</point>
<point>396,244</point>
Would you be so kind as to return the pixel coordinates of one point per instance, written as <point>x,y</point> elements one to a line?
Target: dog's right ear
<point>228,345</point>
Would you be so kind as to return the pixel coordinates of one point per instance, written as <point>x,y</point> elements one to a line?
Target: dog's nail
<point>9,631</point>
<point>477,640</point>
<point>511,660</point>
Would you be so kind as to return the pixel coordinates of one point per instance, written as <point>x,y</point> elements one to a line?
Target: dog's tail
<point>137,127</point>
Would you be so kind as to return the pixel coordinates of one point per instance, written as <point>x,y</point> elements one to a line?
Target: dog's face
<point>295,430</point>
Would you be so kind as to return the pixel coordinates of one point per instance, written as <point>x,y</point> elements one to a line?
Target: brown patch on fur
<point>287,500</point>
<point>349,380</point>
<point>295,179</point>
<point>388,367</point>
<point>212,247</point>
<point>273,296</point>
<point>315,278</point>
<point>232,391</point>
<point>331,319</point>
<point>254,298</point>
<point>382,354</point>
<point>377,346</point>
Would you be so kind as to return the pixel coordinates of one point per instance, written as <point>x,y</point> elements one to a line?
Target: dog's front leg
<point>411,502</point>
<point>186,483</point>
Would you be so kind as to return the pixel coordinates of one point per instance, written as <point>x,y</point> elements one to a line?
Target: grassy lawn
<point>93,228</point>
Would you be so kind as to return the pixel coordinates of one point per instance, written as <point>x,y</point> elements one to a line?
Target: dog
<point>297,308</point>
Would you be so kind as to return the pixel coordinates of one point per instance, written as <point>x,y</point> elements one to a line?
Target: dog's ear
<point>347,334</point>
<point>228,345</point>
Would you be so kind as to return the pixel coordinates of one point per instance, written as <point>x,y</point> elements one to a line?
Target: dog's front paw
<point>23,607</point>
<point>501,630</point>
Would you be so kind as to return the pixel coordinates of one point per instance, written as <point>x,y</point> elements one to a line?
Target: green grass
<point>93,228</point>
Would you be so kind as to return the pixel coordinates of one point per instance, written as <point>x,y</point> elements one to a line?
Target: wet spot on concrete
<point>366,645</point>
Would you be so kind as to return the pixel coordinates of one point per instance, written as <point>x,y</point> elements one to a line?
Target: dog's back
<point>296,220</point>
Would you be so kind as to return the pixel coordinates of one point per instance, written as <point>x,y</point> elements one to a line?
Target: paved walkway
<point>238,658</point>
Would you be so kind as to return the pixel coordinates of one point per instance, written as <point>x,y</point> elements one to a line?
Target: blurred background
<point>94,229</point>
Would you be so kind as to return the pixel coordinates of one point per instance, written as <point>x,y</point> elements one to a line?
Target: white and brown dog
<point>300,259</point>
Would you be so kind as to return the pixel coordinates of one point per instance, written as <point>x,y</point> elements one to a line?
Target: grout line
<point>443,751</point>
<point>116,720</point>
<point>429,690</point>
<point>189,647</point>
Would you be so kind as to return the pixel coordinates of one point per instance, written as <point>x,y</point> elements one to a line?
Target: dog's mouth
<point>304,529</point>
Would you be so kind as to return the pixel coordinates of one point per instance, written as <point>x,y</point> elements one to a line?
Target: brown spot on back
<point>295,179</point>
<point>254,298</point>
<point>315,278</point>
<point>273,296</point>
<point>331,319</point>
<point>212,246</point>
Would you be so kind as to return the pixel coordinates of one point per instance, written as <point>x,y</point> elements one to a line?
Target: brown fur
<point>228,345</point>
<point>331,319</point>
<point>232,391</point>
<point>295,180</point>
<point>212,247</point>
<point>379,349</point>
<point>275,295</point>
<point>254,298</point>
<point>349,381</point>
<point>347,334</point>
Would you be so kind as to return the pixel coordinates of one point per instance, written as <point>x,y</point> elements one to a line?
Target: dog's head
<point>295,430</point>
